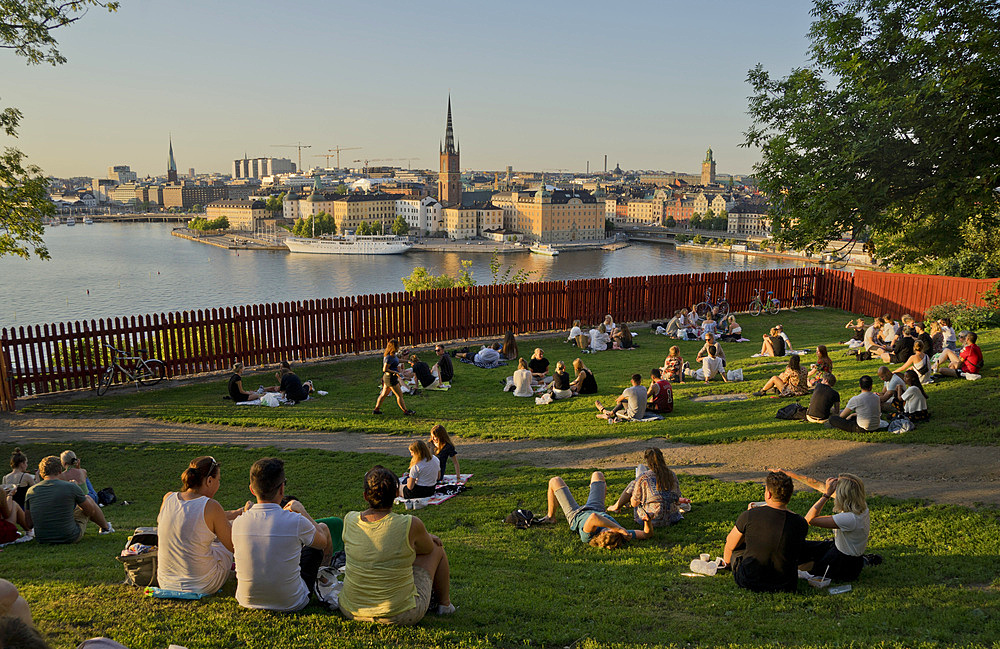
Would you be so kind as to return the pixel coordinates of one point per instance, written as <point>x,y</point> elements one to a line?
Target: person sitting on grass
<point>561,385</point>
<point>711,366</point>
<point>292,387</point>
<point>659,394</point>
<point>673,365</point>
<point>584,381</point>
<point>901,348</point>
<point>599,339</point>
<point>19,476</point>
<point>423,374</point>
<point>858,327</point>
<point>278,550</point>
<point>889,331</point>
<point>195,537</point>
<point>675,325</point>
<point>863,411</point>
<point>703,352</point>
<point>843,557</point>
<point>521,381</point>
<point>631,405</point>
<point>925,339</point>
<point>892,387</point>
<point>734,330</point>
<point>578,336</point>
<point>968,364</point>
<point>773,345</point>
<point>509,349</point>
<point>710,326</point>
<point>539,366</point>
<point>823,365</point>
<point>948,337</point>
<point>443,369</point>
<point>394,565</point>
<point>792,382</point>
<point>914,398</point>
<point>937,338</point>
<point>781,333</point>
<point>443,449</point>
<point>764,546</point>
<point>11,516</point>
<point>919,361</point>
<point>825,401</point>
<point>590,521</point>
<point>622,337</point>
<point>58,510</point>
<point>655,490</point>
<point>236,390</point>
<point>423,474</point>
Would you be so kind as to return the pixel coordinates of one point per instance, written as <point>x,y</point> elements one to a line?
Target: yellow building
<point>553,216</point>
<point>378,210</point>
<point>242,215</point>
<point>470,221</point>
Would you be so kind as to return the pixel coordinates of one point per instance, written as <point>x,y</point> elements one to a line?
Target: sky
<point>540,86</point>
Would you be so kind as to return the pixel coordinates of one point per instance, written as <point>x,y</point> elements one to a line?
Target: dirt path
<point>963,475</point>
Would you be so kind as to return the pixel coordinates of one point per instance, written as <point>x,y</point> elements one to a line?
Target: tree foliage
<point>201,223</point>
<point>421,279</point>
<point>275,203</point>
<point>363,229</point>
<point>505,273</point>
<point>322,222</point>
<point>890,134</point>
<point>400,226</point>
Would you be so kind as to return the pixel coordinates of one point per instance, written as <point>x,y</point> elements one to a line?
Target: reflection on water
<point>139,268</point>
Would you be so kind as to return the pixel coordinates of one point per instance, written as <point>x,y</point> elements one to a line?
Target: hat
<point>778,326</point>
<point>67,458</point>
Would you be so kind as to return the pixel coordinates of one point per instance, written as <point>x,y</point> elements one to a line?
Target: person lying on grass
<point>967,364</point>
<point>843,557</point>
<point>630,405</point>
<point>764,546</point>
<point>655,491</point>
<point>393,564</point>
<point>195,536</point>
<point>593,524</point>
<point>792,382</point>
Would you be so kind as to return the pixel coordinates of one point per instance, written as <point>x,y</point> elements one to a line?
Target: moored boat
<point>350,245</point>
<point>544,249</point>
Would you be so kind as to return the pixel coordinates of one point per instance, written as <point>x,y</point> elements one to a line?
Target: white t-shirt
<point>487,355</point>
<point>574,332</point>
<point>868,407</point>
<point>851,535</point>
<point>268,541</point>
<point>893,383</point>
<point>598,340</point>
<point>914,400</point>
<point>710,327</point>
<point>870,337</point>
<point>426,472</point>
<point>522,383</point>
<point>948,334</point>
<point>788,343</point>
<point>710,367</point>
<point>888,331</point>
<point>735,330</point>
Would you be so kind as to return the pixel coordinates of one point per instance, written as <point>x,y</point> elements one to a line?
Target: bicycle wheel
<point>702,309</point>
<point>150,371</point>
<point>755,308</point>
<point>723,309</point>
<point>773,306</point>
<point>106,380</point>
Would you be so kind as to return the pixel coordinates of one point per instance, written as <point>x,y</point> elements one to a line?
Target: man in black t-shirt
<point>924,337</point>
<point>539,366</point>
<point>764,546</point>
<point>292,387</point>
<point>423,373</point>
<point>445,370</point>
<point>825,401</point>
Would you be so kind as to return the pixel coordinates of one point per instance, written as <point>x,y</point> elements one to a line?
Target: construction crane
<point>335,152</point>
<point>385,160</point>
<point>297,145</point>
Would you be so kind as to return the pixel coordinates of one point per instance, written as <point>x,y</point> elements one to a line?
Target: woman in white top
<point>609,323</point>
<point>914,398</point>
<point>423,473</point>
<point>576,335</point>
<point>522,380</point>
<point>949,337</point>
<point>842,558</point>
<point>599,338</point>
<point>195,537</point>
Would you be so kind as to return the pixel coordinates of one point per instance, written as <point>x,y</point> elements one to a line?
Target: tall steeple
<point>450,176</point>
<point>449,133</point>
<point>171,165</point>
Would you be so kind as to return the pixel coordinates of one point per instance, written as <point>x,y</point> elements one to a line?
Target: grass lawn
<point>962,412</point>
<point>539,587</point>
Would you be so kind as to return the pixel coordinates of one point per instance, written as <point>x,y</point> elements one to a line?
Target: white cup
<point>706,557</point>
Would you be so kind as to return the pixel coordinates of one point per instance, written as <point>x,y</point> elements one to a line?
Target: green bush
<point>698,239</point>
<point>965,316</point>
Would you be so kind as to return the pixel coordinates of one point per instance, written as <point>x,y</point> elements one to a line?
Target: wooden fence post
<point>6,379</point>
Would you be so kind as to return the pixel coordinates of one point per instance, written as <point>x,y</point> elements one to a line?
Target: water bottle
<point>703,566</point>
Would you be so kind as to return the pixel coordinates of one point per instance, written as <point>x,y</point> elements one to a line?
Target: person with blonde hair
<point>673,365</point>
<point>390,379</point>
<point>655,491</point>
<point>520,383</point>
<point>584,382</point>
<point>236,390</point>
<point>59,510</point>
<point>592,523</point>
<point>561,386</point>
<point>423,473</point>
<point>842,558</point>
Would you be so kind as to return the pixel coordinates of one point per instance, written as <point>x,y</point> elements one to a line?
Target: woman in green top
<point>393,563</point>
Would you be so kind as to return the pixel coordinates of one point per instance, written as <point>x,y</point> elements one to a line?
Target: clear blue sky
<point>537,85</point>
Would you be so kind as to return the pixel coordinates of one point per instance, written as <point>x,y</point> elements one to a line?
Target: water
<point>137,268</point>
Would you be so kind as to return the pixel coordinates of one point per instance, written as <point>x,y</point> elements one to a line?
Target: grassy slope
<point>477,407</point>
<point>539,587</point>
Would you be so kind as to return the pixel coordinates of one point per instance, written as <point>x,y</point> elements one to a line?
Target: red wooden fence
<point>70,355</point>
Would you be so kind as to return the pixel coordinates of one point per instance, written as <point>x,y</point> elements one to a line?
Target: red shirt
<point>972,358</point>
<point>664,399</point>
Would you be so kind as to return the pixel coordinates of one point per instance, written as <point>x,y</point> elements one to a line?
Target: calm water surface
<point>136,268</point>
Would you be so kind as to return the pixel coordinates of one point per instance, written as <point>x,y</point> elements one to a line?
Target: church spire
<point>171,165</point>
<point>449,134</point>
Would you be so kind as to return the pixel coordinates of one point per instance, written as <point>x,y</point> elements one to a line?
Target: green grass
<point>963,412</point>
<point>539,587</point>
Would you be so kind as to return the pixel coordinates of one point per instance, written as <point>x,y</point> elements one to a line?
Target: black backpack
<point>791,411</point>
<point>522,519</point>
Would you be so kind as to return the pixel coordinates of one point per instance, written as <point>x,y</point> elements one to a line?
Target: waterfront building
<point>648,210</point>
<point>468,221</point>
<point>680,209</point>
<point>171,165</point>
<point>377,210</point>
<point>450,175</point>
<point>750,218</point>
<point>708,169</point>
<point>553,216</point>
<point>718,204</point>
<point>102,188</point>
<point>187,196</point>
<point>261,167</point>
<point>243,215</point>
<point>290,206</point>
<point>122,174</point>
<point>421,214</point>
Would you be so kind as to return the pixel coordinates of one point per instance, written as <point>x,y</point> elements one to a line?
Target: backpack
<point>140,569</point>
<point>791,411</point>
<point>901,424</point>
<point>522,519</point>
<point>106,496</point>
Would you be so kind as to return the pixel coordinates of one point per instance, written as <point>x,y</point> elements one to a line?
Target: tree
<point>505,274</point>
<point>421,280</point>
<point>275,203</point>
<point>670,222</point>
<point>400,226</point>
<point>889,134</point>
<point>362,229</point>
<point>25,28</point>
<point>698,239</point>
<point>695,221</point>
<point>317,225</point>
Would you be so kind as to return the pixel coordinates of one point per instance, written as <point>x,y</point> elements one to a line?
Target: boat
<point>544,249</point>
<point>376,244</point>
<point>70,220</point>
<point>88,221</point>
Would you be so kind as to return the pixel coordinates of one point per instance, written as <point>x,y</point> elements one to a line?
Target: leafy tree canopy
<point>421,279</point>
<point>891,134</point>
<point>400,227</point>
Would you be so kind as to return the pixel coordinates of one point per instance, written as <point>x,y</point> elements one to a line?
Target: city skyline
<point>541,88</point>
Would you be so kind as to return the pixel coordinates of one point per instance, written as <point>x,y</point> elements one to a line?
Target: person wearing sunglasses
<point>195,544</point>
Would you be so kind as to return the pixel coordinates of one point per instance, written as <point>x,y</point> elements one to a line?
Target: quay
<point>228,240</point>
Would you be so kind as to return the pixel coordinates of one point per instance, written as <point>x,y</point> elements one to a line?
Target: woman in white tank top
<point>195,544</point>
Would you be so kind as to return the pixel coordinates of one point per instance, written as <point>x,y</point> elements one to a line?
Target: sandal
<point>409,412</point>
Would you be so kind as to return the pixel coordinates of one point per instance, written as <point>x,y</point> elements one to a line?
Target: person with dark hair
<point>659,394</point>
<point>590,521</point>
<point>925,338</point>
<point>393,564</point>
<point>764,546</point>
<point>278,550</point>
<point>509,350</point>
<point>390,379</point>
<point>823,365</point>
<point>711,366</point>
<point>863,411</point>
<point>443,449</point>
<point>59,510</point>
<point>968,364</point>
<point>709,342</point>
<point>792,382</point>
<point>292,387</point>
<point>914,398</point>
<point>422,372</point>
<point>630,405</point>
<point>195,538</point>
<point>825,401</point>
<point>443,369</point>
<point>15,633</point>
<point>655,491</point>
<point>11,515</point>
<point>19,476</point>
<point>919,361</point>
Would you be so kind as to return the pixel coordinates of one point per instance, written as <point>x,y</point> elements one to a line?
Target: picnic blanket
<point>649,417</point>
<point>485,366</point>
<point>163,593</point>
<point>275,399</point>
<point>788,352</point>
<point>447,489</point>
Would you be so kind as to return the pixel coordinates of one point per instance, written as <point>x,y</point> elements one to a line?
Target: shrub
<point>698,239</point>
<point>965,316</point>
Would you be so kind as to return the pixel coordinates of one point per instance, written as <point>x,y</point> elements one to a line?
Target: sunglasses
<point>211,467</point>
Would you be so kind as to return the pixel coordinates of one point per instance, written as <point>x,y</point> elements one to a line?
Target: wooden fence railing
<point>70,355</point>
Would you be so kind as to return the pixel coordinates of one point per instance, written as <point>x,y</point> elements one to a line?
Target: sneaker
<point>937,377</point>
<point>446,609</point>
<point>872,559</point>
<point>969,376</point>
<point>544,520</point>
<point>409,412</point>
<point>110,529</point>
<point>376,412</point>
<point>758,393</point>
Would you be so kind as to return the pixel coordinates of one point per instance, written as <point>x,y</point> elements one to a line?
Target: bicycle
<point>801,294</point>
<point>146,371</point>
<point>771,304</point>
<point>704,308</point>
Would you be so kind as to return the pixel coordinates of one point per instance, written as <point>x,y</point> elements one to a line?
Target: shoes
<point>446,609</point>
<point>969,376</point>
<point>872,559</point>
<point>759,393</point>
<point>937,377</point>
<point>409,412</point>
<point>110,529</point>
<point>376,412</point>
<point>544,520</point>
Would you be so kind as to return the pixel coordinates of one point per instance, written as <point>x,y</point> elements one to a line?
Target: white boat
<point>54,221</point>
<point>375,244</point>
<point>544,249</point>
<point>88,221</point>
<point>70,220</point>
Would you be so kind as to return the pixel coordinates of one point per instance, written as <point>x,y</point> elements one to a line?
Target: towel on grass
<point>485,366</point>
<point>649,417</point>
<point>447,489</point>
<point>163,593</point>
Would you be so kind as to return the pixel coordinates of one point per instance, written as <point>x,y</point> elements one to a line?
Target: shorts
<point>8,532</point>
<point>390,379</point>
<point>418,491</point>
<point>595,500</point>
<point>81,520</point>
<point>561,394</point>
<point>425,585</point>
